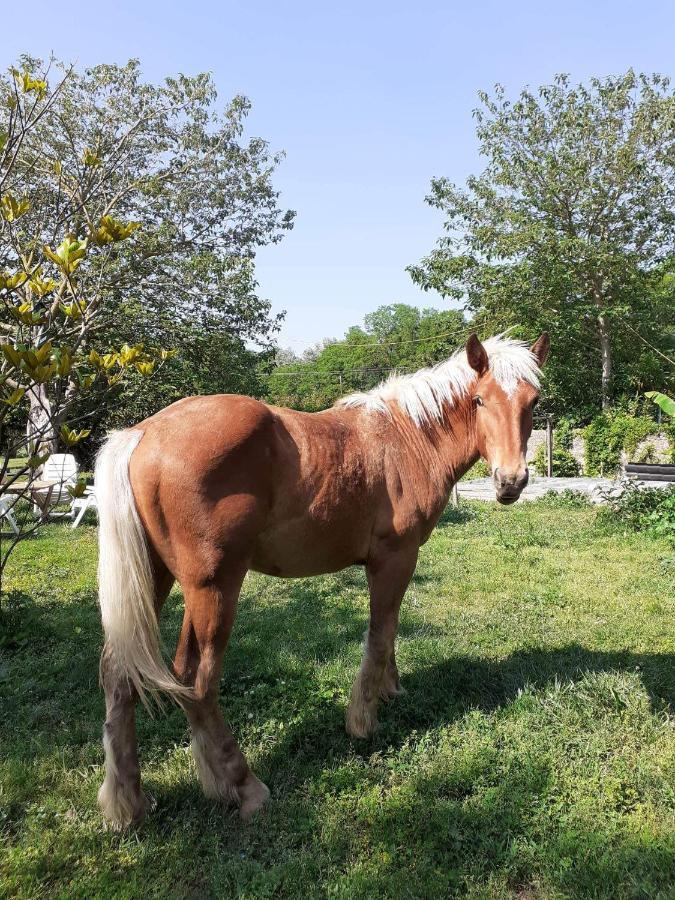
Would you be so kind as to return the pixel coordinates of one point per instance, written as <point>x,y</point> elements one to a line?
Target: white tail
<point>126,585</point>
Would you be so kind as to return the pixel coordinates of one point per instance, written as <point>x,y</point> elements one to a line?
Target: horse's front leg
<point>389,573</point>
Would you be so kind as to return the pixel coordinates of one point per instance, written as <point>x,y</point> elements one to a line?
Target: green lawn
<point>532,757</point>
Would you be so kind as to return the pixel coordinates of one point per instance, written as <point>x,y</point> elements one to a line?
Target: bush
<point>564,464</point>
<point>611,433</point>
<point>641,510</point>
<point>566,499</point>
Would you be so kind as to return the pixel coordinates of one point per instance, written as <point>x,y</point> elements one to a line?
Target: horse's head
<point>503,418</point>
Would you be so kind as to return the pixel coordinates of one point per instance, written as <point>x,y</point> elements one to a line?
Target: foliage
<point>611,433</point>
<point>564,465</point>
<point>531,754</point>
<point>396,337</point>
<point>47,304</point>
<point>641,510</point>
<point>567,499</point>
<point>570,228</point>
<point>129,218</point>
<point>667,404</point>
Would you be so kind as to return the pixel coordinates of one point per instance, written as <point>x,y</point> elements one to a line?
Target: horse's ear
<point>541,347</point>
<point>476,355</point>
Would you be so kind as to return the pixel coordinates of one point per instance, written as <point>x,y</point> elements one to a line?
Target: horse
<point>213,486</point>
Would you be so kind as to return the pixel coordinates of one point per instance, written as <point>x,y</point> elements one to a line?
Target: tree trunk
<point>40,428</point>
<point>606,352</point>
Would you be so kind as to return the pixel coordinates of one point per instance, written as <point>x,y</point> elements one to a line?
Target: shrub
<point>646,455</point>
<point>563,435</point>
<point>564,464</point>
<point>641,510</point>
<point>566,499</point>
<point>611,433</point>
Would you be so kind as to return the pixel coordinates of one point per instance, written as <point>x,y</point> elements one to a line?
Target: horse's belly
<point>303,549</point>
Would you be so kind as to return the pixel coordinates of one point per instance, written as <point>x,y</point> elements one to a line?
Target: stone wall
<point>657,442</point>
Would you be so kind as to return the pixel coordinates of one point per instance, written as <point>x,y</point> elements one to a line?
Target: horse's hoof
<point>360,725</point>
<point>253,795</point>
<point>122,807</point>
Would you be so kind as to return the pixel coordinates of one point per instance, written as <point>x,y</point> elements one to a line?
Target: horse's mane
<point>422,395</point>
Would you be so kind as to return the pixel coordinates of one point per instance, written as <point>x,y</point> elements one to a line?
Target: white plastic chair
<point>81,504</point>
<point>61,468</point>
<point>6,504</point>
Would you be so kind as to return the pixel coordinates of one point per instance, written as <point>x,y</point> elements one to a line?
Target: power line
<point>469,326</point>
<point>645,341</point>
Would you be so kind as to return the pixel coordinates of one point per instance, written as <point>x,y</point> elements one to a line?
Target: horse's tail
<point>125,577</point>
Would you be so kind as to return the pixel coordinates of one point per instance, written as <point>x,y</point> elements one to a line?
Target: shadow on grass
<point>441,837</point>
<point>443,692</point>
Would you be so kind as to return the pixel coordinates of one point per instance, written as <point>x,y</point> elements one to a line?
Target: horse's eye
<point>478,401</point>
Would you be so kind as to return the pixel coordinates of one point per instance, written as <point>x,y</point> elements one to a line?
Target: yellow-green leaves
<point>167,354</point>
<point>69,254</point>
<point>9,282</point>
<point>145,368</point>
<point>102,361</point>
<point>78,489</point>
<point>37,459</point>
<point>12,208</point>
<point>24,313</point>
<point>14,397</point>
<point>89,158</point>
<point>74,310</point>
<point>39,285</point>
<point>63,362</point>
<point>40,365</point>
<point>129,355</point>
<point>111,230</point>
<point>28,84</point>
<point>70,437</point>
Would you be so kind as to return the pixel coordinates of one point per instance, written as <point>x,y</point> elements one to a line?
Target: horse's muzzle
<point>509,486</point>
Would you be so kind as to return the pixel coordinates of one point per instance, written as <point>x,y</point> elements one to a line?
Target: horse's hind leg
<point>120,797</point>
<point>391,684</point>
<point>222,767</point>
<point>388,578</point>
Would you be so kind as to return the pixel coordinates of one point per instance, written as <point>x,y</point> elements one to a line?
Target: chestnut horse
<point>214,486</point>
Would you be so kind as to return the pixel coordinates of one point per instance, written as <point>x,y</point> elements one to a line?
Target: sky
<point>368,100</point>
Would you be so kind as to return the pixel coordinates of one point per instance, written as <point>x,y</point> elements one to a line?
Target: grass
<point>532,757</point>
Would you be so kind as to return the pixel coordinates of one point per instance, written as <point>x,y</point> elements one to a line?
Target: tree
<point>112,153</point>
<point>394,337</point>
<point>571,225</point>
<point>129,216</point>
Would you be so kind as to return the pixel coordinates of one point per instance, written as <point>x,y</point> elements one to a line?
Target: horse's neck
<point>444,450</point>
<point>455,440</point>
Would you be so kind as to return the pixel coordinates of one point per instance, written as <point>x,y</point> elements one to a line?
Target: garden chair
<point>81,504</point>
<point>61,468</point>
<point>6,504</point>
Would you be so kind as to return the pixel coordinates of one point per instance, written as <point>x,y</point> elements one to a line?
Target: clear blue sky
<point>369,101</point>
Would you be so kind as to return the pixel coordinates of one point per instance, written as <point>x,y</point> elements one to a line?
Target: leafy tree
<point>129,218</point>
<point>395,337</point>
<point>570,227</point>
<point>158,180</point>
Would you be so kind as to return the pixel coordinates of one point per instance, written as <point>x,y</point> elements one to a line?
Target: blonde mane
<point>422,395</point>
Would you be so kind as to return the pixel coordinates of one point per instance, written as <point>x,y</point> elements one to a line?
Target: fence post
<point>549,446</point>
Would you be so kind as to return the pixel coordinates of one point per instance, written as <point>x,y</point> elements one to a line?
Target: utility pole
<point>549,446</point>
